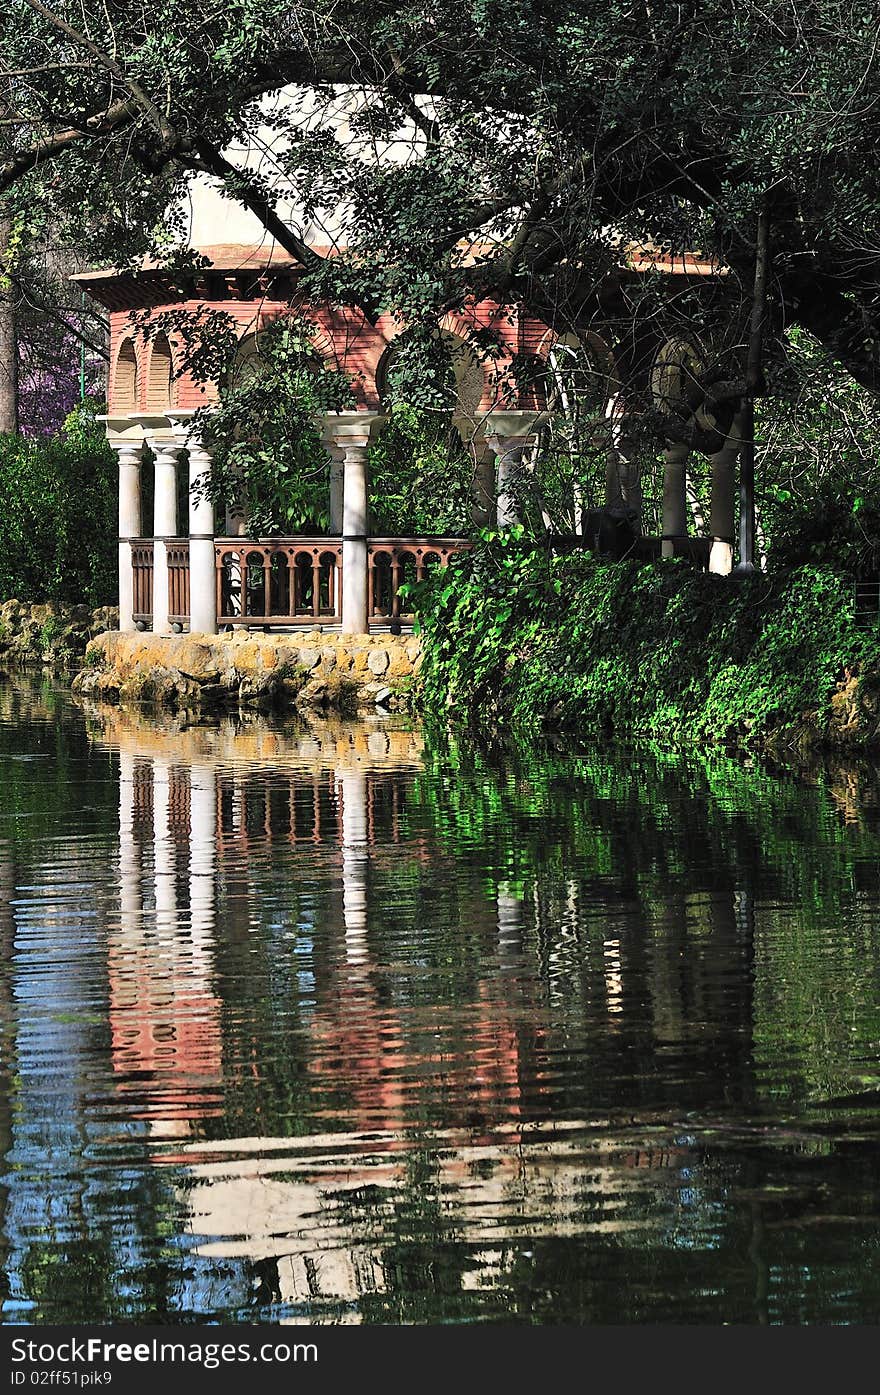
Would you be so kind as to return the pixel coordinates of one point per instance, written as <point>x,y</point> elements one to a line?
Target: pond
<point>338,1022</point>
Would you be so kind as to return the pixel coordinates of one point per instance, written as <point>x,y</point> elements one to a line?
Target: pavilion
<point>192,574</point>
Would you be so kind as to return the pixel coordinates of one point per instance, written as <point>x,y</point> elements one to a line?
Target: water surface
<point>339,1023</point>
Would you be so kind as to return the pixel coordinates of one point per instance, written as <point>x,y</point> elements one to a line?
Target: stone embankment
<point>49,634</point>
<point>310,670</point>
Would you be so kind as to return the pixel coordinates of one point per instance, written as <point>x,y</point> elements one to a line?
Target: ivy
<point>517,636</point>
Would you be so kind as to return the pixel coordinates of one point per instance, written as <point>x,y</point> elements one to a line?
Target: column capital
<point>164,446</point>
<point>515,427</point>
<point>350,430</point>
<point>506,445</point>
<point>129,451</point>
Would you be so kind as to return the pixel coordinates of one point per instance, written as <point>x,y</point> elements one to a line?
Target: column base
<point>721,557</point>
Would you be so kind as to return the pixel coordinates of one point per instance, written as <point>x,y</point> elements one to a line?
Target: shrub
<point>58,504</point>
<point>514,634</point>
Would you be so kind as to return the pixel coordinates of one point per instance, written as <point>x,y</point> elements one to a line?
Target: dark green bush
<point>58,506</point>
<point>514,634</point>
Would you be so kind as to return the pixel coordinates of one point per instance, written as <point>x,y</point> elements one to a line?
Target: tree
<point>538,134</point>
<point>8,340</point>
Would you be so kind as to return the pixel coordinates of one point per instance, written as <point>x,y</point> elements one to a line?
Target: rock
<point>309,659</point>
<point>378,662</point>
<point>383,697</point>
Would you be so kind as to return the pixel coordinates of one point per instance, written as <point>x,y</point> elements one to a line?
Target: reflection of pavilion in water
<point>199,809</point>
<point>187,818</point>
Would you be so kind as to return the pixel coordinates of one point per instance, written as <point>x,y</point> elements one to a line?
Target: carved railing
<point>289,581</point>
<point>142,582</point>
<point>281,581</point>
<point>177,552</point>
<point>393,561</point>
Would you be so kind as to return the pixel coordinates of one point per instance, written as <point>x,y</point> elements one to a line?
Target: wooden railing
<point>289,581</point>
<point>282,581</point>
<point>393,561</point>
<point>178,581</point>
<point>142,579</point>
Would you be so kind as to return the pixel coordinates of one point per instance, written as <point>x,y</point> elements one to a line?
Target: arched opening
<point>125,378</point>
<point>159,375</point>
<point>568,484</point>
<point>421,471</point>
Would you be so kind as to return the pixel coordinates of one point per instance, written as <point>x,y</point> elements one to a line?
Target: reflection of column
<point>130,893</point>
<point>164,527</point>
<point>352,786</point>
<point>129,453</point>
<point>202,855</point>
<point>202,568</point>
<point>721,519</point>
<point>509,923</point>
<point>164,861</point>
<point>674,497</point>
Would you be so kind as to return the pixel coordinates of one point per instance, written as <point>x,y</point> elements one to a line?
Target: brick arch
<point>678,363</point>
<point>598,348</point>
<point>160,374</point>
<point>468,367</point>
<point>345,340</point>
<point>126,377</point>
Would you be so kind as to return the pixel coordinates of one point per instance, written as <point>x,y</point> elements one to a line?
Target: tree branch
<point>119,114</point>
<point>247,193</point>
<point>151,111</point>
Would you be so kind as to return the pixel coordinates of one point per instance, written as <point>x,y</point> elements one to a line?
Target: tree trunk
<point>8,343</point>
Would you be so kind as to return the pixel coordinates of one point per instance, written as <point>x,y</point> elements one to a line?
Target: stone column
<point>623,484</point>
<point>164,527</point>
<point>509,451</point>
<point>723,506</point>
<point>349,433</point>
<point>355,619</point>
<point>129,453</point>
<point>483,488</point>
<point>674,497</point>
<point>202,567</point>
<point>337,488</point>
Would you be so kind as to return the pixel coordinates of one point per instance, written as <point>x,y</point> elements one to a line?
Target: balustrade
<point>395,561</point>
<point>142,581</point>
<point>177,553</point>
<point>289,581</point>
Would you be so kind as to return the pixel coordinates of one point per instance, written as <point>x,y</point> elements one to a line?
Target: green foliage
<point>514,634</point>
<point>818,485</point>
<point>58,504</point>
<point>264,434</point>
<point>420,476</point>
<point>544,135</point>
